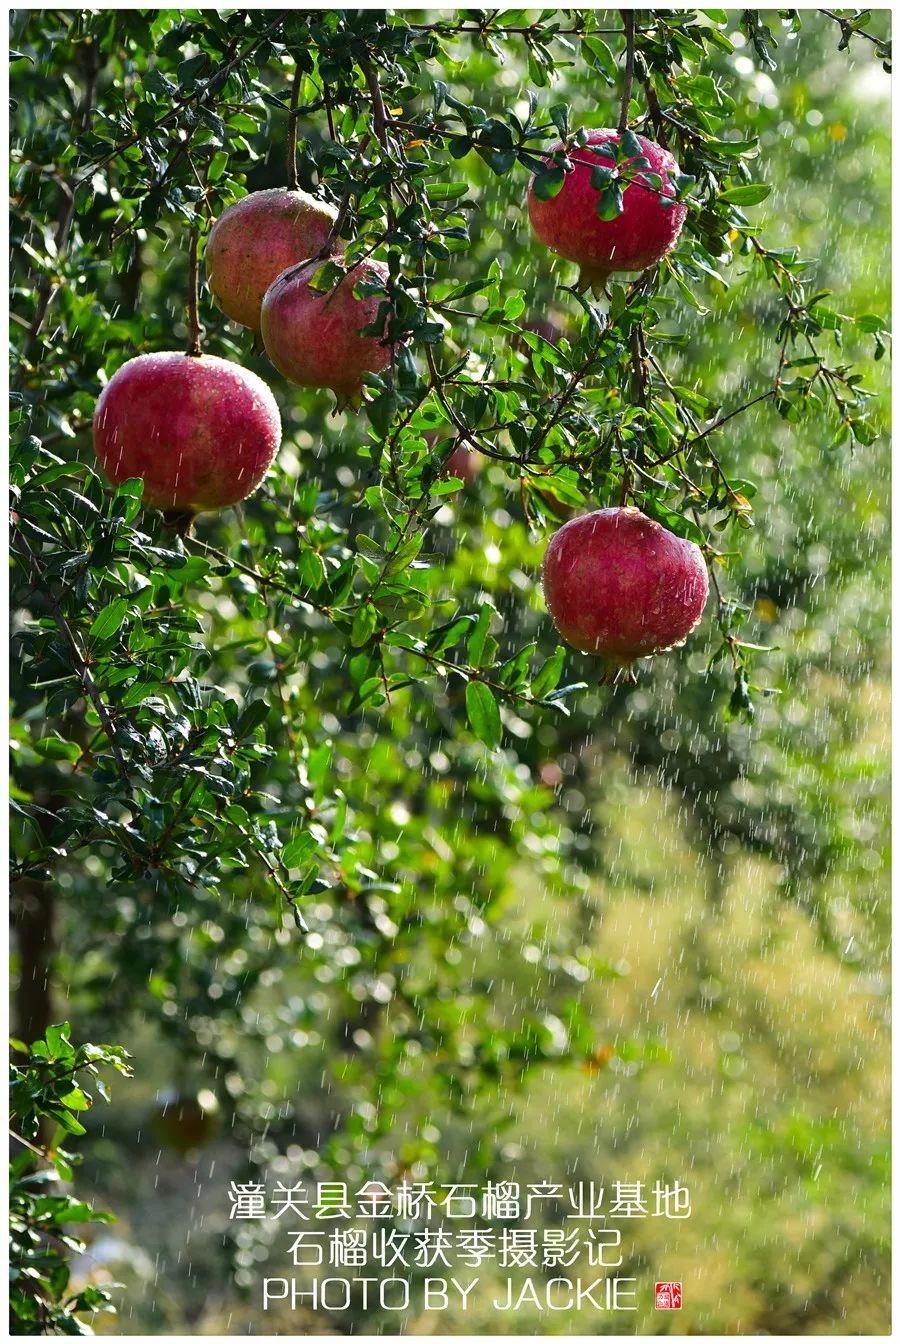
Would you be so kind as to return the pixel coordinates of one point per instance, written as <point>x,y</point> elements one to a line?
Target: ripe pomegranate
<point>464,464</point>
<point>313,337</point>
<point>257,238</point>
<point>199,431</point>
<point>643,233</point>
<point>620,585</point>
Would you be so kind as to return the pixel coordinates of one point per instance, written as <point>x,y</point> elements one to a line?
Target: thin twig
<point>334,232</point>
<point>292,180</point>
<point>26,1143</point>
<point>326,99</point>
<point>379,114</point>
<point>848,28</point>
<point>628,21</point>
<point>656,113</point>
<point>380,125</point>
<point>717,424</point>
<point>493,30</point>
<point>264,580</point>
<point>582,372</point>
<point>195,331</point>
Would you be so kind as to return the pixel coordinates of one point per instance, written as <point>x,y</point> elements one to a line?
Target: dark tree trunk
<point>34,933</point>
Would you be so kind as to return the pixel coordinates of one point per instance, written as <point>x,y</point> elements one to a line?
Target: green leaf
<point>484,716</point>
<point>548,676</point>
<point>56,748</point>
<point>559,115</point>
<point>630,146</point>
<point>500,161</point>
<point>603,60</point>
<point>217,165</point>
<point>189,70</point>
<point>686,291</point>
<point>751,194</point>
<point>732,149</point>
<point>297,851</point>
<point>445,636</point>
<point>446,191</point>
<point>256,713</point>
<point>601,176</point>
<point>459,146</point>
<point>871,323</point>
<point>57,1039</point>
<point>108,621</point>
<point>365,623</point>
<point>75,1100</point>
<point>477,639</point>
<point>548,183</point>
<point>609,204</point>
<point>404,555</point>
<point>66,1120</point>
<point>514,305</point>
<point>675,522</point>
<point>381,411</point>
<point>864,432</point>
<point>514,671</point>
<point>127,499</point>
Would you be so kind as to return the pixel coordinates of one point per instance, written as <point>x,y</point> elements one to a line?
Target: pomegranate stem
<point>195,331</point>
<point>180,521</point>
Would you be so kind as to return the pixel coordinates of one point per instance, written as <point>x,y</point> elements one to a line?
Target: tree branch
<point>848,28</point>
<point>201,95</point>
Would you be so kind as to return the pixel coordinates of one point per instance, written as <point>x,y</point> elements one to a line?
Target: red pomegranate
<point>256,239</point>
<point>313,337</point>
<point>199,431</point>
<point>643,233</point>
<point>620,585</point>
<point>464,464</point>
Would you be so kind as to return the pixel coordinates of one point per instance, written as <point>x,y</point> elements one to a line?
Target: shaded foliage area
<point>275,780</point>
<point>49,1091</point>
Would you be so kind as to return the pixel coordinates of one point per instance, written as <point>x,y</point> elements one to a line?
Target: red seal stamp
<point>668,1297</point>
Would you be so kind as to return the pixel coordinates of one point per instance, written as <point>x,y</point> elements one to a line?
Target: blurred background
<point>718,927</point>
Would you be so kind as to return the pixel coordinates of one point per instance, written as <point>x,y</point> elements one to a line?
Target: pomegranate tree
<point>199,431</point>
<point>314,337</point>
<point>621,585</point>
<point>638,237</point>
<point>256,239</point>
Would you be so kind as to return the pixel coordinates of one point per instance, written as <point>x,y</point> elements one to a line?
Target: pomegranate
<point>199,431</point>
<point>257,238</point>
<point>464,464</point>
<point>313,337</point>
<point>644,232</point>
<point>620,585</point>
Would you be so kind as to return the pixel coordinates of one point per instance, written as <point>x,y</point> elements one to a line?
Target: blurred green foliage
<point>49,1090</point>
<point>309,808</point>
